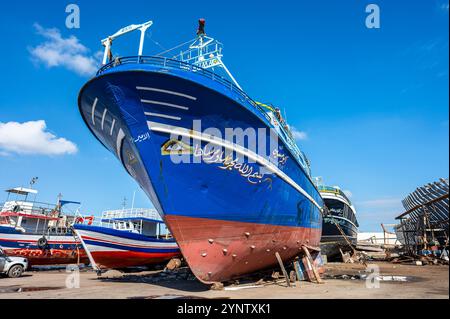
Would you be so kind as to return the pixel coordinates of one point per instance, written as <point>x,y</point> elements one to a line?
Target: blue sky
<point>372,103</point>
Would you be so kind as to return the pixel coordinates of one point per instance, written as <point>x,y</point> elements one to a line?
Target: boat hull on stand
<point>118,249</point>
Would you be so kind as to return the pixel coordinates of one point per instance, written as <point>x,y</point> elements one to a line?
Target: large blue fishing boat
<point>223,171</point>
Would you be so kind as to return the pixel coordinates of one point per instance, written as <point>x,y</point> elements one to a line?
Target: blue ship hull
<point>340,211</point>
<point>332,239</point>
<point>133,108</point>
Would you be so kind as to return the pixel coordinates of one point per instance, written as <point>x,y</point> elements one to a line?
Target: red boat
<point>127,238</point>
<point>38,231</point>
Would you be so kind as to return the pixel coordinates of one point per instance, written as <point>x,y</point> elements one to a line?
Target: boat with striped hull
<point>38,231</point>
<point>127,238</point>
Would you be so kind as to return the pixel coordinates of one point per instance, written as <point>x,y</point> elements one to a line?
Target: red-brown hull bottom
<point>122,259</point>
<point>38,257</point>
<point>218,250</point>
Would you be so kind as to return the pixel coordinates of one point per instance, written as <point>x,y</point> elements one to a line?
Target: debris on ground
<point>217,286</point>
<point>365,276</point>
<point>174,263</point>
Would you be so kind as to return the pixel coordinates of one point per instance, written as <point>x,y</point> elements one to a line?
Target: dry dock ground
<point>341,281</point>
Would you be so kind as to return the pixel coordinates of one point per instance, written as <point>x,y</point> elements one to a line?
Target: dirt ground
<point>341,281</point>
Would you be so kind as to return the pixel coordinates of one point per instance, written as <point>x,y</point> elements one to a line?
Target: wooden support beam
<point>313,267</point>
<point>297,270</point>
<point>280,261</point>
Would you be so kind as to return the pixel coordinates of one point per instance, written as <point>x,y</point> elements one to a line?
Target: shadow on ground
<point>181,280</point>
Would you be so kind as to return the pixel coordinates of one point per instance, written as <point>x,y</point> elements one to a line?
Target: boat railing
<point>208,55</point>
<point>131,213</point>
<point>29,208</point>
<point>134,226</point>
<point>177,64</point>
<point>333,190</point>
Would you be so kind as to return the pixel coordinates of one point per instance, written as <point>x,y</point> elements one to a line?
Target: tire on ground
<point>15,271</point>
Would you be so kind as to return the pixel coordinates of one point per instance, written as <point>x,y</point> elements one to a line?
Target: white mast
<point>108,41</point>
<point>132,202</point>
<point>206,53</point>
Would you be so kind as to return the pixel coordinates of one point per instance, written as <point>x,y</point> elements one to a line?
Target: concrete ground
<point>341,281</point>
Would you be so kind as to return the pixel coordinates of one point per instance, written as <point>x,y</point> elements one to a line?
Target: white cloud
<point>381,203</point>
<point>298,135</point>
<point>32,138</point>
<point>380,209</point>
<point>444,7</point>
<point>371,213</point>
<point>65,52</point>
